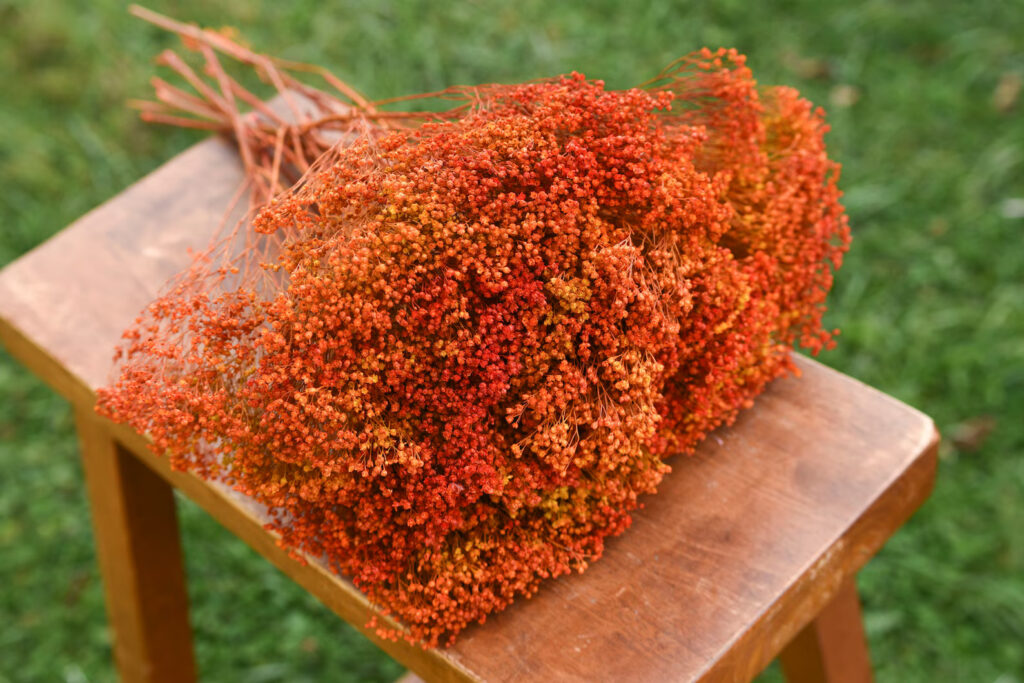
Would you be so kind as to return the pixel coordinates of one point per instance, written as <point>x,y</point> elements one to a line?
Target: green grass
<point>929,300</point>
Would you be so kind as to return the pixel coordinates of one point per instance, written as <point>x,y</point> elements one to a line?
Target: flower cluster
<point>481,336</point>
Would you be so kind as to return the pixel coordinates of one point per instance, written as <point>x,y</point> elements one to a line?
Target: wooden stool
<point>749,550</point>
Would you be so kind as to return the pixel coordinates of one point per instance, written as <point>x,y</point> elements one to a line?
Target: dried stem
<point>277,148</point>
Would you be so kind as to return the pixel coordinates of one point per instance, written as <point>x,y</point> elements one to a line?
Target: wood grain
<point>746,542</point>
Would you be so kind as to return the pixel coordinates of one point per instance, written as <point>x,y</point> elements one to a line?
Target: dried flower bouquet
<point>454,353</point>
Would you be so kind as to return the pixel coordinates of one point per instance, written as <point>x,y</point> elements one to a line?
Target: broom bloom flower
<point>452,359</point>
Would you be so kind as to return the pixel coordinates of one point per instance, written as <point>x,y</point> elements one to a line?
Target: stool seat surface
<point>744,543</point>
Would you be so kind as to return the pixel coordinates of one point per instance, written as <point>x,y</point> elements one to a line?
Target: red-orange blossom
<point>482,336</point>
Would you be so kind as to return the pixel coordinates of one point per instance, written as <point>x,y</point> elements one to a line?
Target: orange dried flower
<point>455,355</point>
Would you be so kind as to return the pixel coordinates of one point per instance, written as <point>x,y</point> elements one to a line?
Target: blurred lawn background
<point>928,120</point>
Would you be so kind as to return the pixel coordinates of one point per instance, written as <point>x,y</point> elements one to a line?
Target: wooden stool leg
<point>139,551</point>
<point>832,648</point>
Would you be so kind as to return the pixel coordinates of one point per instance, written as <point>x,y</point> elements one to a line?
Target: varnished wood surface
<point>744,544</point>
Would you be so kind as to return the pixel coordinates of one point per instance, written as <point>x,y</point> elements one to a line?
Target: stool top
<point>743,544</point>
